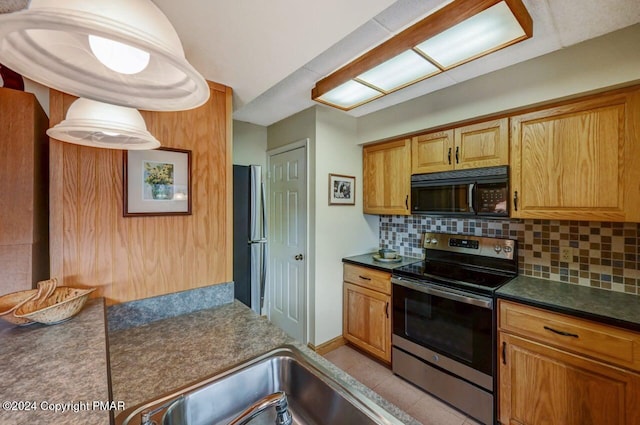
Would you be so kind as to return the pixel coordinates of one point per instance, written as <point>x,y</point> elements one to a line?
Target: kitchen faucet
<point>277,399</point>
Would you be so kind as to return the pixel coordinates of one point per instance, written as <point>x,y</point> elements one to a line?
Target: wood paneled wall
<point>130,258</point>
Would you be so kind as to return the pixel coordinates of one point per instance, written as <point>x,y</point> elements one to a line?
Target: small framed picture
<point>157,182</point>
<point>342,190</point>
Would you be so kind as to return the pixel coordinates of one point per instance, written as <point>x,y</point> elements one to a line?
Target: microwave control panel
<point>492,198</point>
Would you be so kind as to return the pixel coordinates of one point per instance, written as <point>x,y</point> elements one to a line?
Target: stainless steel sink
<point>314,396</point>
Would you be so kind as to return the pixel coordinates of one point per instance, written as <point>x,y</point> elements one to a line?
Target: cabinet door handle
<point>386,309</point>
<point>504,352</point>
<point>364,277</point>
<point>555,331</point>
<point>515,200</point>
<point>406,202</point>
<point>457,154</point>
<point>449,156</point>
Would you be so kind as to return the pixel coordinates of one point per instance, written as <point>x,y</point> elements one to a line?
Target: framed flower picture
<point>157,182</point>
<point>342,190</point>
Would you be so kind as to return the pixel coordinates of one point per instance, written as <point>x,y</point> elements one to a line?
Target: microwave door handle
<point>471,198</point>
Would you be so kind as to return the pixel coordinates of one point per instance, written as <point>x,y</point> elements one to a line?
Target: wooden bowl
<point>63,304</point>
<point>9,303</point>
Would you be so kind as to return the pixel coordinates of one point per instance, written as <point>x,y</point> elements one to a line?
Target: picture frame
<point>156,182</point>
<point>342,189</point>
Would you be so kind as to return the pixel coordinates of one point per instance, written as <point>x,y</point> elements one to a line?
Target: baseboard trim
<point>330,345</point>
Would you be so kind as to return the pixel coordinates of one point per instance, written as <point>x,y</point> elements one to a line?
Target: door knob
<point>299,257</point>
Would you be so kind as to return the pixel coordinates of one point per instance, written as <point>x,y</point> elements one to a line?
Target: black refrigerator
<point>249,236</point>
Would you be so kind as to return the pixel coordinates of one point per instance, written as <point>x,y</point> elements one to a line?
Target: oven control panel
<point>464,243</point>
<point>476,245</point>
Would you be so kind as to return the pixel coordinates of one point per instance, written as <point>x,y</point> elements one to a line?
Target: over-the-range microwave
<point>481,191</point>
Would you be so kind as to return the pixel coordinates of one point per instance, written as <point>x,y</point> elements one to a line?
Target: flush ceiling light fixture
<point>455,34</point>
<point>121,52</point>
<point>102,125</point>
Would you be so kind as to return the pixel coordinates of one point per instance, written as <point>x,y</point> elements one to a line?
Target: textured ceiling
<point>272,53</point>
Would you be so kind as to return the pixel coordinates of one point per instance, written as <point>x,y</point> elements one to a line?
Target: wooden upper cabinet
<point>484,144</point>
<point>386,182</point>
<point>576,161</point>
<point>432,152</point>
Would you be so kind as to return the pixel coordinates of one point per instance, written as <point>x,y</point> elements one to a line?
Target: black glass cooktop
<point>455,275</point>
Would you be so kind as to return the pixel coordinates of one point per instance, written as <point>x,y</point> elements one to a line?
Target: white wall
<point>341,231</point>
<point>610,60</point>
<point>249,144</point>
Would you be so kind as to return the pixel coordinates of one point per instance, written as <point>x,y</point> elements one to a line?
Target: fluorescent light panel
<point>399,71</point>
<point>348,94</point>
<point>499,25</point>
<point>479,34</point>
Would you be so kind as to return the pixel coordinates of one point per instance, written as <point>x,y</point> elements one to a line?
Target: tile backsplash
<point>605,255</point>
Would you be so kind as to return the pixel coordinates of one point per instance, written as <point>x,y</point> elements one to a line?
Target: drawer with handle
<point>614,345</point>
<point>369,278</point>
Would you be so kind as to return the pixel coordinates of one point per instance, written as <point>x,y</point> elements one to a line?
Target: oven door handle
<point>449,294</point>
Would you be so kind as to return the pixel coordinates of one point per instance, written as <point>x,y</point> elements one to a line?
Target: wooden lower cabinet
<point>542,384</point>
<point>367,317</point>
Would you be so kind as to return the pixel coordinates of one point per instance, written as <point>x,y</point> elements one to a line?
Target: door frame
<point>308,307</point>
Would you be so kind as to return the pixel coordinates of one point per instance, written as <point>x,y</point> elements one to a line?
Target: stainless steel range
<point>444,320</point>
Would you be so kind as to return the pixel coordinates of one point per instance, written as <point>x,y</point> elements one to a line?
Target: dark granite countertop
<point>613,308</point>
<point>367,260</point>
<point>64,364</point>
<point>154,359</point>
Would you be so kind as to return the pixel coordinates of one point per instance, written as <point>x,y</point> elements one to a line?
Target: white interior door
<point>287,241</point>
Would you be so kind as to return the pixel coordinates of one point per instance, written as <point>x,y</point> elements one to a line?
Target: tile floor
<point>379,378</point>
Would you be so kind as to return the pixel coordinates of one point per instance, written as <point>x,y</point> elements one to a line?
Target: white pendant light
<point>124,52</point>
<point>102,125</point>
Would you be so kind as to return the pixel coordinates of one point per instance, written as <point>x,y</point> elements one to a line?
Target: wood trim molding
<point>229,180</point>
<point>328,346</point>
<point>56,189</point>
<point>217,86</point>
